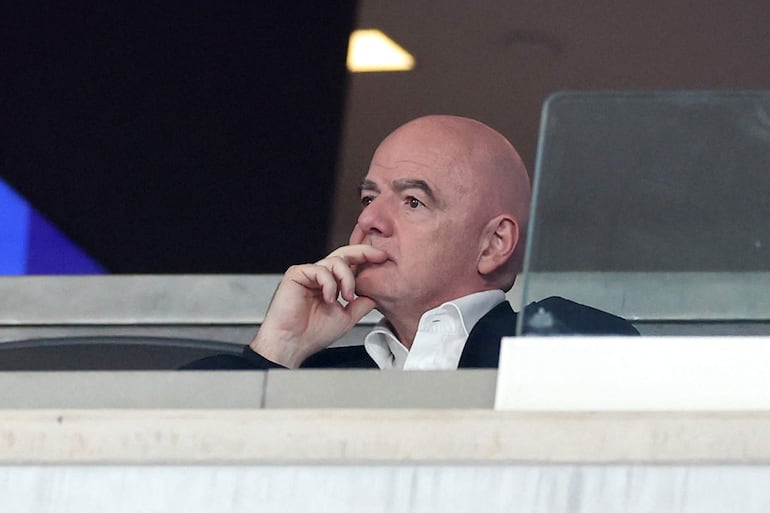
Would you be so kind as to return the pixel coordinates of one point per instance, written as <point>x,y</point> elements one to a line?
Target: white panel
<point>634,374</point>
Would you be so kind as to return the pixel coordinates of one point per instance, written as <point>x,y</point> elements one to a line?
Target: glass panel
<point>652,204</point>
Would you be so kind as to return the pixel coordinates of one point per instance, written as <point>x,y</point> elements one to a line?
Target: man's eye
<point>366,200</point>
<point>414,202</point>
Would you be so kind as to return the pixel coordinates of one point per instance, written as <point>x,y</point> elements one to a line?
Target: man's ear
<point>499,241</point>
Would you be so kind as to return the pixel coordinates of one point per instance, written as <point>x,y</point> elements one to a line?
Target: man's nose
<point>376,218</point>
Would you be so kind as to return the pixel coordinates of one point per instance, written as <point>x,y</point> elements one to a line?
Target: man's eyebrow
<point>406,183</point>
<point>368,185</point>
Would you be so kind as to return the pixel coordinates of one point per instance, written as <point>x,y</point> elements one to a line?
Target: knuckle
<point>331,262</point>
<point>301,271</point>
<point>296,269</point>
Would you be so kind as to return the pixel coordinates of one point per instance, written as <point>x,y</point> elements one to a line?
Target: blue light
<point>14,223</point>
<point>30,244</point>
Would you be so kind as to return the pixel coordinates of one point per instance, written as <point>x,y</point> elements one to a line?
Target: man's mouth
<point>387,254</point>
<point>370,265</point>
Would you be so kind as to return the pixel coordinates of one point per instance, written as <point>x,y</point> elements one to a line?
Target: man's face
<point>421,208</point>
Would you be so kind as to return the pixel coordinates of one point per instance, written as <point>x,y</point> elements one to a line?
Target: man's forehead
<point>420,165</point>
<point>434,169</point>
<point>414,159</point>
<point>410,151</point>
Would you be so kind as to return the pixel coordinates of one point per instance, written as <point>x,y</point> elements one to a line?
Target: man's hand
<point>305,315</point>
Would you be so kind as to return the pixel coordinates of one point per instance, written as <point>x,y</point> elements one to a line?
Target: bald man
<point>440,239</point>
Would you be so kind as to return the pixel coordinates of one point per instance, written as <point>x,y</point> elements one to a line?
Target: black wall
<point>177,139</point>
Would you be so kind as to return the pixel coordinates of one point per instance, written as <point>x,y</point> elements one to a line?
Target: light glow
<point>371,50</point>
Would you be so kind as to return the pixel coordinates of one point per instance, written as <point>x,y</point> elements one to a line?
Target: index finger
<point>359,254</point>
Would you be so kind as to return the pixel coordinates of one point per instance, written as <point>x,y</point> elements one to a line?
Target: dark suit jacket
<point>482,350</point>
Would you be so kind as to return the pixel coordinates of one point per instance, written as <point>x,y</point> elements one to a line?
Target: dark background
<point>177,139</point>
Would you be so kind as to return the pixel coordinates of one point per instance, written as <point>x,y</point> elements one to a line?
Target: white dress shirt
<point>440,338</point>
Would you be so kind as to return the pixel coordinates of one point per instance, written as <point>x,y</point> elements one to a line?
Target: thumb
<point>359,307</point>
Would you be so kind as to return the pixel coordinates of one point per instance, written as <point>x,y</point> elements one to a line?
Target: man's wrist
<point>278,349</point>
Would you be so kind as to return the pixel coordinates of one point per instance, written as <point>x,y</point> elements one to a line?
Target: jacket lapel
<point>482,350</point>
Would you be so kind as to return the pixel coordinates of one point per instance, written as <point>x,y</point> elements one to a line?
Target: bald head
<point>491,166</point>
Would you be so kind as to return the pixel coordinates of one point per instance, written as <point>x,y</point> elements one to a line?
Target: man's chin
<point>371,283</point>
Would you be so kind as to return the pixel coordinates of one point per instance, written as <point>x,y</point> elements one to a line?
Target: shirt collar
<point>441,334</point>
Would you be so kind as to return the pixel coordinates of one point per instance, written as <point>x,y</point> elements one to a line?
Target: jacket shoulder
<point>563,316</point>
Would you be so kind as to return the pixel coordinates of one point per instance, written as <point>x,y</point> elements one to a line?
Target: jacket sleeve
<point>247,360</point>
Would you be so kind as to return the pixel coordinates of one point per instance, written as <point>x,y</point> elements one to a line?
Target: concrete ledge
<point>379,436</point>
<point>236,300</point>
<point>136,299</point>
<point>132,389</point>
<point>468,388</point>
<point>317,389</point>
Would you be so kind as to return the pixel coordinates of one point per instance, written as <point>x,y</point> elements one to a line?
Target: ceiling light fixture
<point>372,50</point>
